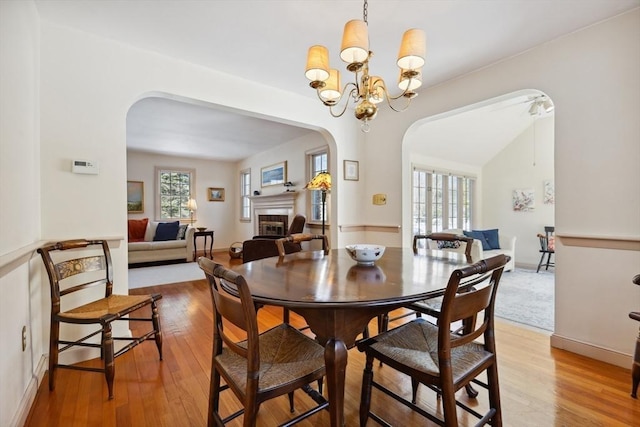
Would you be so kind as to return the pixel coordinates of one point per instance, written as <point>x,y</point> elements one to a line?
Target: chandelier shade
<point>406,83</point>
<point>355,42</point>
<point>317,63</point>
<point>365,91</point>
<point>330,93</point>
<point>412,49</point>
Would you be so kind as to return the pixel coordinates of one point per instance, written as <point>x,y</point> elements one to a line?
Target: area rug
<point>164,274</point>
<point>524,296</point>
<point>527,297</point>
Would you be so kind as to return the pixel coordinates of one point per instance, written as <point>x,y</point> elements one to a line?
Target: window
<point>441,201</point>
<point>318,162</point>
<point>175,187</point>
<point>245,192</point>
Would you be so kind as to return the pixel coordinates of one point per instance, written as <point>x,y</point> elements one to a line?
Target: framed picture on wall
<point>274,174</point>
<point>215,194</point>
<point>135,197</point>
<point>351,170</point>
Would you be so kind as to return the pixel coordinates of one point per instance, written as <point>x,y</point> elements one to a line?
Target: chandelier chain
<point>365,12</point>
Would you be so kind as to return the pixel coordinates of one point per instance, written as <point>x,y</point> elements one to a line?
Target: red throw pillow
<point>137,228</point>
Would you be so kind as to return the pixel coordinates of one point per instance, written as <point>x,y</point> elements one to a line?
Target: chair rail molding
<point>627,243</point>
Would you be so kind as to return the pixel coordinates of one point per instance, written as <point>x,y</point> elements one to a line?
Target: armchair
<point>262,246</point>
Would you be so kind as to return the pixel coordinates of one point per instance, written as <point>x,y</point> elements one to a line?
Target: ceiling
<point>248,38</point>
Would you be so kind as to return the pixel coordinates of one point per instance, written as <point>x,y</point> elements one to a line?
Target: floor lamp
<point>321,182</point>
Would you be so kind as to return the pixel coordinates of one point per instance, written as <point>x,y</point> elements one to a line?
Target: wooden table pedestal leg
<point>335,356</point>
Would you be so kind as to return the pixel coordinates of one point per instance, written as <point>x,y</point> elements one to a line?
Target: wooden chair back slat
<point>445,237</point>
<point>458,305</point>
<point>241,311</point>
<point>302,237</point>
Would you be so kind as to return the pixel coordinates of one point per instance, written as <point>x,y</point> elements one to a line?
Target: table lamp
<point>192,205</point>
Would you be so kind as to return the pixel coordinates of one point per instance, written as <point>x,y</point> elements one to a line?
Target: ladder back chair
<point>635,368</point>
<point>547,247</point>
<point>431,354</point>
<point>265,365</point>
<point>76,265</point>
<point>429,307</point>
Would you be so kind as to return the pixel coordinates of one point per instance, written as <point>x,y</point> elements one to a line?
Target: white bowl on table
<point>365,254</point>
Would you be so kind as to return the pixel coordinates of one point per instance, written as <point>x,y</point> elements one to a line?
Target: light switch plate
<point>379,199</point>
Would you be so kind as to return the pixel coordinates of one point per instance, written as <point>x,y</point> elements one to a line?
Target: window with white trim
<point>441,200</point>
<point>245,192</point>
<point>318,162</point>
<point>175,187</point>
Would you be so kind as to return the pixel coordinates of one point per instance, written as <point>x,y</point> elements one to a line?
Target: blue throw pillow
<point>166,231</point>
<point>478,235</point>
<point>492,238</point>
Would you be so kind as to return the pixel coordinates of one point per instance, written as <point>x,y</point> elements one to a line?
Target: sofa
<point>507,245</point>
<point>154,241</point>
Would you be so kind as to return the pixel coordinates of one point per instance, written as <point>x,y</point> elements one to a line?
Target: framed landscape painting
<point>274,174</point>
<point>215,194</point>
<point>135,197</point>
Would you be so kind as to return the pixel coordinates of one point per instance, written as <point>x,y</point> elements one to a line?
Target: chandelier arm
<point>344,95</point>
<point>381,83</point>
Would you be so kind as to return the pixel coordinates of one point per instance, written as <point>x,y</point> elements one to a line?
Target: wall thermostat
<point>84,166</point>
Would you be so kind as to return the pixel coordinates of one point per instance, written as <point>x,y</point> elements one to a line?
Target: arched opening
<point>216,143</point>
<point>500,148</point>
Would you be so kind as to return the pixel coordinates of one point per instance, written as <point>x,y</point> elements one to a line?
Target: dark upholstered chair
<point>265,365</point>
<point>263,246</point>
<point>75,265</point>
<point>635,369</point>
<point>430,354</point>
<point>547,247</point>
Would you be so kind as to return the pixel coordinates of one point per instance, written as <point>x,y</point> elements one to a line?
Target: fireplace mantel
<point>273,204</point>
<point>280,198</point>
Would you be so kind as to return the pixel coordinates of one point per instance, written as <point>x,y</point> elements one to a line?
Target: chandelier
<point>365,91</point>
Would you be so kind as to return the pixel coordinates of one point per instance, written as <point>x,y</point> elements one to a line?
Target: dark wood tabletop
<point>337,297</point>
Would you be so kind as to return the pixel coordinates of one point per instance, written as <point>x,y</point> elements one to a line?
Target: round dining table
<point>338,297</point>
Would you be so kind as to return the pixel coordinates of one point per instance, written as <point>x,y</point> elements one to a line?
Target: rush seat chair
<point>73,266</point>
<point>265,365</point>
<point>444,361</point>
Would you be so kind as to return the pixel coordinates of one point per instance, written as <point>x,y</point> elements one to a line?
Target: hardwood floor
<point>540,386</point>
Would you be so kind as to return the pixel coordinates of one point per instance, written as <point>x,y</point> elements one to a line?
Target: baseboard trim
<point>29,397</point>
<point>589,350</point>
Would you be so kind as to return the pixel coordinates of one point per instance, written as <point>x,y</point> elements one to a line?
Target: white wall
<point>22,295</point>
<point>524,163</point>
<point>221,217</point>
<point>592,77</point>
<point>88,84</point>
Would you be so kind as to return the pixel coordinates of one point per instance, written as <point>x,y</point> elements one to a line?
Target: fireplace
<point>273,225</point>
<point>273,213</point>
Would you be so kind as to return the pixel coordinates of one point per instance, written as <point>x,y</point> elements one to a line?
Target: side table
<point>206,234</point>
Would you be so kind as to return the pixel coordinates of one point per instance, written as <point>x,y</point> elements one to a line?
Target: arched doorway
<point>504,147</point>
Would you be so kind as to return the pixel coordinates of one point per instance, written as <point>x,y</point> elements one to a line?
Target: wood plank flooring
<point>540,386</point>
